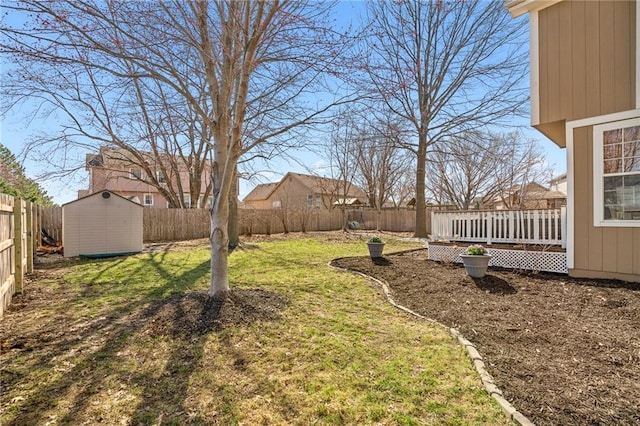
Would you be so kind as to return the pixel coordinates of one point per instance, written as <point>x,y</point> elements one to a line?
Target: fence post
<point>17,244</point>
<point>489,229</point>
<point>29,231</point>
<point>435,227</point>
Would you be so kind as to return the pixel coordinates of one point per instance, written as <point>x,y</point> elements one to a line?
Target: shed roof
<point>99,193</point>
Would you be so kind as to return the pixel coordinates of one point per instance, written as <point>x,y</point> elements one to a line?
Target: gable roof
<point>261,192</point>
<point>99,193</point>
<point>315,185</point>
<point>324,185</point>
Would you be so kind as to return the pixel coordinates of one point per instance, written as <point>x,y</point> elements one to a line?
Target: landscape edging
<point>470,349</point>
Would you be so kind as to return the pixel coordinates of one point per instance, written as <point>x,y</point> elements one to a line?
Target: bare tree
<point>443,67</point>
<point>464,169</point>
<point>344,140</point>
<point>477,167</point>
<point>404,187</point>
<point>118,70</point>
<point>381,161</point>
<point>523,165</point>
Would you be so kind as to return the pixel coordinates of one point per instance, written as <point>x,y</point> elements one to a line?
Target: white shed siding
<point>95,225</point>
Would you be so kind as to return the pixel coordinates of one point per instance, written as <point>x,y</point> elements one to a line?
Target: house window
<point>276,204</point>
<point>148,199</point>
<point>160,177</point>
<point>318,201</point>
<point>309,201</point>
<point>135,174</point>
<point>617,173</point>
<point>186,201</point>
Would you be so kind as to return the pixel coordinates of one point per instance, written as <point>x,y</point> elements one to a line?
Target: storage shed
<point>100,225</point>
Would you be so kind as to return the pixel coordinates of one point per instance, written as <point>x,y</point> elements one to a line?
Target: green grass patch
<point>339,354</point>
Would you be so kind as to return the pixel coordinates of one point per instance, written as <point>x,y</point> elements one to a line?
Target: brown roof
<point>316,184</point>
<point>260,192</point>
<point>347,202</point>
<point>323,185</point>
<point>544,195</point>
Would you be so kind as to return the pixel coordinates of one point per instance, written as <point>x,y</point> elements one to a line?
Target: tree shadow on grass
<point>188,319</point>
<point>93,352</point>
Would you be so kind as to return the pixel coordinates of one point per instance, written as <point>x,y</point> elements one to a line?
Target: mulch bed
<point>563,351</point>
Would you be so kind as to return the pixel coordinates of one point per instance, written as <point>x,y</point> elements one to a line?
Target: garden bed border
<point>471,351</point>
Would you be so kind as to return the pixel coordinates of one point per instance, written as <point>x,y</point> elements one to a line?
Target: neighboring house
<point>585,97</point>
<point>559,184</point>
<point>299,191</point>
<point>532,196</point>
<point>113,170</point>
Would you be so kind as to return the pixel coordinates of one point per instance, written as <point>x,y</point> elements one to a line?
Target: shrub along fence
<point>188,224</point>
<point>17,245</point>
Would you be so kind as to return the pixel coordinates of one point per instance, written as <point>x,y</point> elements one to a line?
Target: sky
<point>16,128</point>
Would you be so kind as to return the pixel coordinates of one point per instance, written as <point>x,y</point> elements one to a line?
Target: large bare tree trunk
<point>345,219</point>
<point>172,84</point>
<point>440,67</point>
<point>421,212</point>
<point>219,251</point>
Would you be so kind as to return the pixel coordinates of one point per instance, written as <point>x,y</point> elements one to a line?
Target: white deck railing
<point>546,226</point>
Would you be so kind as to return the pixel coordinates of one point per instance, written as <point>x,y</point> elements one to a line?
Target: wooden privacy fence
<point>188,224</point>
<point>389,220</point>
<point>50,219</point>
<point>541,226</point>
<point>175,224</point>
<point>273,221</point>
<point>16,246</point>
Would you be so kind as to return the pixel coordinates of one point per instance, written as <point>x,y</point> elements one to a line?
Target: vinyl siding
<point>586,59</point>
<point>95,225</point>
<point>599,251</point>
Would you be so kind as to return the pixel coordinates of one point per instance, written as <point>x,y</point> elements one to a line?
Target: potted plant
<point>376,246</point>
<point>476,261</point>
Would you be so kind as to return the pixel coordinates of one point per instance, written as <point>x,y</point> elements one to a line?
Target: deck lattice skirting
<point>515,259</point>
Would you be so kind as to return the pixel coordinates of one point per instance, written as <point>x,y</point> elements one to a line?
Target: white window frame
<point>309,201</point>
<point>186,201</point>
<point>276,204</point>
<point>144,199</point>
<point>598,174</point>
<point>160,177</point>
